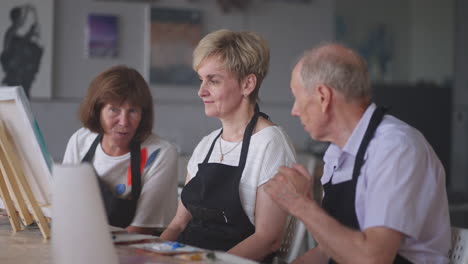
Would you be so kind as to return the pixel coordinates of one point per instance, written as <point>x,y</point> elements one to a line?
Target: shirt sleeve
<point>400,186</point>
<point>198,156</point>
<point>71,152</point>
<point>158,200</point>
<point>278,152</point>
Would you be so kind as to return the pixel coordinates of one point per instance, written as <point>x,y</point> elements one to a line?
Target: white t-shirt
<point>269,149</point>
<point>401,186</point>
<point>158,200</point>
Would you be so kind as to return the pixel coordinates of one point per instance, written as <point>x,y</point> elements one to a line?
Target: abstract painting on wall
<point>174,35</point>
<point>102,36</point>
<point>26,46</point>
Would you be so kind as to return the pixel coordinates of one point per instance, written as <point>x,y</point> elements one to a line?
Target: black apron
<point>339,200</point>
<point>120,212</point>
<point>212,197</point>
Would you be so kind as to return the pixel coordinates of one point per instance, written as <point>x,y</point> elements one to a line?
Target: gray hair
<point>337,67</point>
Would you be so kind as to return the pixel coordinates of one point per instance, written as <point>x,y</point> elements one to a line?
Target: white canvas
<point>28,143</point>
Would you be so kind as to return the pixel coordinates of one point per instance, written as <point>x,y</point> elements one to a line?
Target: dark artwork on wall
<point>22,53</point>
<point>174,35</point>
<point>26,45</point>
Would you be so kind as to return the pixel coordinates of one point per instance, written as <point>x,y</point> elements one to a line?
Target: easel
<point>15,191</point>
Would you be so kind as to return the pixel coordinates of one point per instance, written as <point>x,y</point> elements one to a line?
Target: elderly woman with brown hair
<point>137,170</point>
<point>223,205</point>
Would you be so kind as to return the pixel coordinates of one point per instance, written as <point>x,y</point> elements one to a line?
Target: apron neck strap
<point>257,109</point>
<point>247,135</point>
<point>207,157</point>
<point>136,169</point>
<point>90,154</point>
<point>374,122</point>
<point>246,139</point>
<point>134,164</point>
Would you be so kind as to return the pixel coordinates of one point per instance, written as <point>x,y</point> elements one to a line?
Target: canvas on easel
<point>25,163</point>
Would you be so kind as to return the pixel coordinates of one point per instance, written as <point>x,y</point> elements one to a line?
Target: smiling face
<point>120,122</point>
<point>219,89</point>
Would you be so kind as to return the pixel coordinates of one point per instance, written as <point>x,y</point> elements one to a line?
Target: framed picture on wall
<point>102,36</point>
<point>174,35</point>
<point>26,46</point>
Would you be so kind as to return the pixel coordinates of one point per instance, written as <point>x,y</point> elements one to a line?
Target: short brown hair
<point>242,53</point>
<point>118,84</point>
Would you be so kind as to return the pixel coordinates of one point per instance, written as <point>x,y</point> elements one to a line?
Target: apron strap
<point>374,122</point>
<point>247,135</point>
<point>134,164</point>
<point>90,154</point>
<point>246,139</point>
<point>207,157</point>
<point>136,170</point>
<point>257,109</point>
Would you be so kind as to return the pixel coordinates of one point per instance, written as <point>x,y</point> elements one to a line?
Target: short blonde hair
<point>242,53</point>
<point>118,83</point>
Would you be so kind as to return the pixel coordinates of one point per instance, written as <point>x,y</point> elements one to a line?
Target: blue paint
<point>174,245</point>
<point>152,158</point>
<point>120,189</point>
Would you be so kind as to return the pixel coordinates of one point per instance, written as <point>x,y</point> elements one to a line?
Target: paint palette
<point>167,247</point>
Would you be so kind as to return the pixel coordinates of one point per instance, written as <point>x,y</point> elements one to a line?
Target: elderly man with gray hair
<point>384,187</point>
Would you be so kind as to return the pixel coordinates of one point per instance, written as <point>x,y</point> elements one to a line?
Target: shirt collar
<point>334,156</point>
<point>354,141</point>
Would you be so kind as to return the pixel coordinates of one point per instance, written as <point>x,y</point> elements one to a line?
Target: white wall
<point>73,71</point>
<point>432,40</point>
<point>179,113</point>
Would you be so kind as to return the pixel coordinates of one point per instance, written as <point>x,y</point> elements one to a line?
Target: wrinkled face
<point>120,122</point>
<point>306,106</point>
<point>219,89</point>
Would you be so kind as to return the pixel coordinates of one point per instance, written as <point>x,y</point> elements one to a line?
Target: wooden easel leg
<point>10,179</point>
<point>32,202</point>
<point>14,174</point>
<point>9,206</point>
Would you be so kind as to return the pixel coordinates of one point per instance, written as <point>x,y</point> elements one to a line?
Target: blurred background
<point>416,51</point>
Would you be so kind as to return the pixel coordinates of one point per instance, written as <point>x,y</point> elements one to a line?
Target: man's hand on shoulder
<point>290,185</point>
